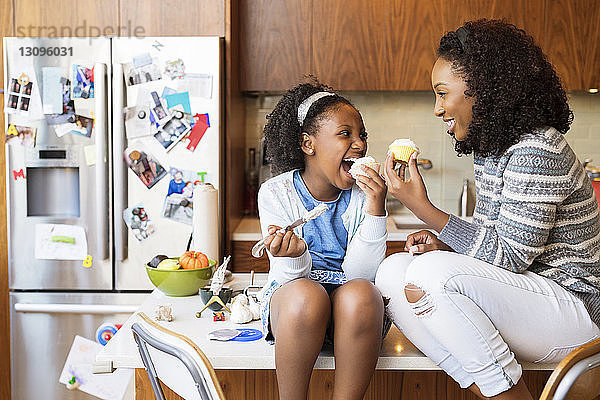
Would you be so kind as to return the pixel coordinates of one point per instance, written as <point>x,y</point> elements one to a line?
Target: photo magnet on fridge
<point>144,73</point>
<point>172,132</point>
<point>137,122</point>
<point>80,126</point>
<point>21,135</point>
<point>22,96</point>
<point>179,204</point>
<point>144,165</point>
<point>159,113</point>
<point>82,82</point>
<point>67,114</point>
<point>137,219</point>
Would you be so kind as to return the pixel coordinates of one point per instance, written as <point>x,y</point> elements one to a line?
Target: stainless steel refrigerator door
<point>43,331</point>
<point>200,55</point>
<point>52,191</point>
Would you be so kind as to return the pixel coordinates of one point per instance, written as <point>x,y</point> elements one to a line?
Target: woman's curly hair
<point>516,89</point>
<point>283,133</point>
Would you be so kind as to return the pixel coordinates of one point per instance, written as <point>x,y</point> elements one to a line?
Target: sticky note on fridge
<point>80,363</point>
<point>60,242</point>
<point>52,99</point>
<point>63,239</point>
<point>179,98</point>
<point>198,85</point>
<point>90,154</point>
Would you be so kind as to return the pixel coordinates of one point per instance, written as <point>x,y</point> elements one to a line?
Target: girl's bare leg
<point>300,313</point>
<point>357,321</point>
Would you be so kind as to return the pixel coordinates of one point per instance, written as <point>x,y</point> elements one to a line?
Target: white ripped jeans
<point>474,318</point>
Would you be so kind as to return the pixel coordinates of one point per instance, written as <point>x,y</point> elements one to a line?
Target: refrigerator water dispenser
<point>53,182</point>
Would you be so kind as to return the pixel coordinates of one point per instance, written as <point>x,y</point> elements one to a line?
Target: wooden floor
<point>386,385</point>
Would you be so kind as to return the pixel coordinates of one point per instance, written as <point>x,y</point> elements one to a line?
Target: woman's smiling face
<point>451,103</point>
<point>341,136</point>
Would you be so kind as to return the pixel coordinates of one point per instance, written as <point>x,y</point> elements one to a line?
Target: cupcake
<point>403,149</point>
<point>356,168</point>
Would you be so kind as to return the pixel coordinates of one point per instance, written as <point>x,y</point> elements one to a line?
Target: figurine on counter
<point>164,313</point>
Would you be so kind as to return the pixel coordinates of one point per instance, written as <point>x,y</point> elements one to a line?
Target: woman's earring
<point>310,151</point>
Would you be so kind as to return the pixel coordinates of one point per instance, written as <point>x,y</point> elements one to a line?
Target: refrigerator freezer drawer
<point>43,326</point>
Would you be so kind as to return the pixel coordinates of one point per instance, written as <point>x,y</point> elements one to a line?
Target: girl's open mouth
<point>346,165</point>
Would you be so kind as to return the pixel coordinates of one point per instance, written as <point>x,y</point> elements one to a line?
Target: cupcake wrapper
<point>402,153</point>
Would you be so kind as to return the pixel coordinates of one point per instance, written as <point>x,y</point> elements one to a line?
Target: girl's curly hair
<point>516,89</point>
<point>283,133</point>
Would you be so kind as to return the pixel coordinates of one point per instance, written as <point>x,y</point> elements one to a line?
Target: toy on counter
<point>218,280</point>
<point>164,313</point>
<point>218,316</point>
<point>73,384</point>
<point>244,309</point>
<point>105,332</point>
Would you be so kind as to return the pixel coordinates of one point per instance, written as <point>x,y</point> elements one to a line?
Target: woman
<point>523,279</point>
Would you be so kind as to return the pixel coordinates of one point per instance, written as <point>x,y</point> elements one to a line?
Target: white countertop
<point>397,352</point>
<point>249,228</point>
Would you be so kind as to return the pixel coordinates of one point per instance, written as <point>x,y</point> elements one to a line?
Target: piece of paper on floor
<point>52,90</point>
<point>60,242</point>
<point>90,154</point>
<point>79,364</point>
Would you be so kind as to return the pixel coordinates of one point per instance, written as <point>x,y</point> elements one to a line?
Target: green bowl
<point>181,282</point>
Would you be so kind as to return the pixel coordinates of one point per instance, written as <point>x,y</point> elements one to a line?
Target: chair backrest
<point>577,376</point>
<point>163,352</point>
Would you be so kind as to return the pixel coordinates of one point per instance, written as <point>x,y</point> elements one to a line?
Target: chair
<point>169,350</point>
<point>577,376</point>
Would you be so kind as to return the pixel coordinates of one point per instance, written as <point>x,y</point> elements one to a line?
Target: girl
<point>320,274</point>
<point>523,279</point>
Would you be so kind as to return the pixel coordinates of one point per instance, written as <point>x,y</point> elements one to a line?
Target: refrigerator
<point>99,177</point>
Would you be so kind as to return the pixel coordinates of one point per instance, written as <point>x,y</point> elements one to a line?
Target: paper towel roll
<point>206,221</point>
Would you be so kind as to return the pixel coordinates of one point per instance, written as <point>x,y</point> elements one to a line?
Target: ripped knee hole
<point>419,300</point>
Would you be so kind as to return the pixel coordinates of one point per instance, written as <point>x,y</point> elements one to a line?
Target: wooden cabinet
<point>242,260</point>
<point>275,39</point>
<point>376,45</point>
<point>390,44</point>
<point>573,42</point>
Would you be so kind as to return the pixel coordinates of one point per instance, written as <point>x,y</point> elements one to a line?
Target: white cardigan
<point>279,204</point>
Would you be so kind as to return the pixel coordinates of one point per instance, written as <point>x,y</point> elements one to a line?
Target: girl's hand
<point>412,192</point>
<point>375,190</point>
<point>284,244</point>
<point>424,241</point>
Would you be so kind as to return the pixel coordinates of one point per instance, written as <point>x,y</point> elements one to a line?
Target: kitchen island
<point>246,369</point>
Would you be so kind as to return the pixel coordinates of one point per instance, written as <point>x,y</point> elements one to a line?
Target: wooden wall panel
<point>525,14</point>
<point>175,17</point>
<point>385,385</point>
<point>242,260</point>
<point>6,29</point>
<point>573,38</point>
<point>276,43</point>
<point>59,17</point>
<point>377,45</point>
<point>235,122</point>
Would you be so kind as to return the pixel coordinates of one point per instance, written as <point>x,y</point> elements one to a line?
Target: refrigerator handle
<point>101,131</point>
<point>75,308</point>
<point>120,172</point>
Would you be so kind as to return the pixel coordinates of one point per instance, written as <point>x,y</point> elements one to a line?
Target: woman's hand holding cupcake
<point>411,192</point>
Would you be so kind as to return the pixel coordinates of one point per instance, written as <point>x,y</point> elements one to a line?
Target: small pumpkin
<point>193,260</point>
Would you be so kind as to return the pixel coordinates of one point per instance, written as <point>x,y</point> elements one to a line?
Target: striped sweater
<point>535,210</point>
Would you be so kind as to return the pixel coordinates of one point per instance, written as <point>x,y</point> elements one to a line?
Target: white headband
<point>308,102</point>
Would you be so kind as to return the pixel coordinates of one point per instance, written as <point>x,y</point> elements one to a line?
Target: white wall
<point>391,115</point>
